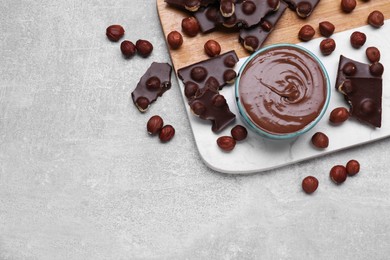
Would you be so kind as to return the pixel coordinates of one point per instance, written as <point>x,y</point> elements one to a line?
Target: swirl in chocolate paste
<point>282,89</point>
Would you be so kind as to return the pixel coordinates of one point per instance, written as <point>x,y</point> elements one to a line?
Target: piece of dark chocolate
<point>209,104</point>
<point>361,85</point>
<point>155,81</point>
<point>364,96</point>
<point>350,68</point>
<point>253,38</point>
<point>190,5</point>
<point>303,8</point>
<point>221,68</point>
<point>209,18</point>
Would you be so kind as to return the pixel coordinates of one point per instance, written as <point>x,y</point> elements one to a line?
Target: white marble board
<point>256,154</point>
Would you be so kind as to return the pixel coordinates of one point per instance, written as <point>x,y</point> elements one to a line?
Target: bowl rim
<point>301,131</point>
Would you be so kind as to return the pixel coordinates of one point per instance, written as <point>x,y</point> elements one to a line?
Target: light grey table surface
<point>81,179</point>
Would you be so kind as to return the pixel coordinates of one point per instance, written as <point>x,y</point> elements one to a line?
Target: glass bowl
<point>282,91</point>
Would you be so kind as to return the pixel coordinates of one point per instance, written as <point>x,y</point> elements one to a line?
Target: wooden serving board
<point>285,31</point>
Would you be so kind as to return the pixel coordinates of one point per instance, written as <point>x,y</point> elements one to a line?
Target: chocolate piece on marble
<point>190,5</point>
<point>209,104</point>
<point>348,68</point>
<point>155,81</point>
<point>253,38</point>
<point>364,96</point>
<point>303,8</point>
<point>221,68</point>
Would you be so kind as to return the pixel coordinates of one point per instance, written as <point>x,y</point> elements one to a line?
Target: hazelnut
<point>376,19</point>
<point>327,46</point>
<point>248,7</point>
<point>358,39</point>
<point>153,83</point>
<point>373,54</point>
<point>326,28</point>
<point>144,47</point>
<point>304,9</point>
<point>219,101</point>
<point>320,140</point>
<point>266,25</point>
<point>338,174</point>
<point>154,125</point>
<point>166,133</point>
<point>251,43</point>
<point>229,61</point>
<point>115,32</point>
<point>376,69</point>
<point>226,143</point>
<point>274,4</point>
<point>192,5</point>
<point>339,115</point>
<point>239,132</point>
<point>306,33</point>
<point>198,73</point>
<point>229,76</point>
<point>142,104</point>
<point>349,69</point>
<point>309,184</point>
<point>348,5</point>
<point>128,49</point>
<point>175,40</point>
<point>198,108</point>
<point>190,26</point>
<point>212,48</point>
<point>227,8</point>
<point>190,89</point>
<point>353,167</point>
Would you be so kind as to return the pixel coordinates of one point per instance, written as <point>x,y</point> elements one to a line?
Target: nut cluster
<point>155,126</point>
<point>143,47</point>
<point>227,143</point>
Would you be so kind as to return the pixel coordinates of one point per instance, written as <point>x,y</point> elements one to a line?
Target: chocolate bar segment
<point>155,81</point>
<point>208,104</point>
<point>361,85</point>
<point>303,8</point>
<point>253,38</point>
<point>219,67</point>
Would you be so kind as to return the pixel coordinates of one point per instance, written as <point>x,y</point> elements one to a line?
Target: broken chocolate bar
<point>153,84</point>
<point>208,104</point>
<point>219,67</point>
<point>361,85</point>
<point>253,38</point>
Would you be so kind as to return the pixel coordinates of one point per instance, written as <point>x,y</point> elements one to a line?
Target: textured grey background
<point>81,179</point>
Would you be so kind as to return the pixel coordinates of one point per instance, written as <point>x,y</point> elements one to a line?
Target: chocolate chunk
<point>365,98</point>
<point>155,81</point>
<point>303,8</point>
<point>253,38</point>
<point>350,68</point>
<point>190,5</point>
<point>209,104</point>
<point>219,67</point>
<point>362,89</point>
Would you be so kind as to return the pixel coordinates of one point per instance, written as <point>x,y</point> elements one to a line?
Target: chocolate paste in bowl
<point>282,89</point>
